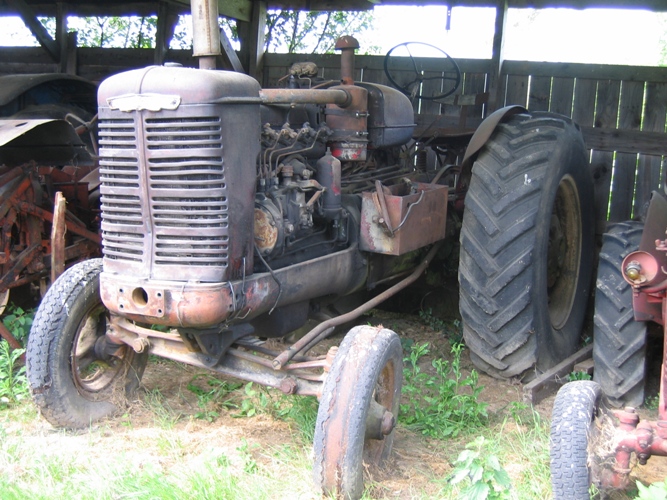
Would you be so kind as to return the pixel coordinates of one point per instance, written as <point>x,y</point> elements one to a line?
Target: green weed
<point>214,398</point>
<point>302,411</point>
<point>441,405</point>
<point>18,322</point>
<point>453,330</point>
<point>655,491</point>
<point>652,402</point>
<point>13,381</point>
<point>571,377</point>
<point>165,415</point>
<point>481,472</point>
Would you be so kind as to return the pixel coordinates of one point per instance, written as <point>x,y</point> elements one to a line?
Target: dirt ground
<point>415,461</point>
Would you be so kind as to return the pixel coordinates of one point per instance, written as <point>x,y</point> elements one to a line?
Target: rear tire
<point>574,411</point>
<point>619,342</point>
<point>527,246</point>
<point>72,384</point>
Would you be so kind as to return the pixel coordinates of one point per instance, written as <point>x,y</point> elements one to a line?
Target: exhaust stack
<point>206,32</point>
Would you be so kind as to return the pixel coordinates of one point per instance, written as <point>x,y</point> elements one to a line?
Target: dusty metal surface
<point>402,218</point>
<point>200,305</point>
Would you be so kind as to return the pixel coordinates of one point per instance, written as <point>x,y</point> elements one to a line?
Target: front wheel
<point>358,410</point>
<point>75,377</point>
<point>572,428</point>
<point>527,246</point>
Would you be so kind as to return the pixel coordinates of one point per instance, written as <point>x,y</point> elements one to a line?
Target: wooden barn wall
<point>621,110</point>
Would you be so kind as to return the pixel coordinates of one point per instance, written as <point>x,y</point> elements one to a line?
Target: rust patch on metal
<point>408,218</point>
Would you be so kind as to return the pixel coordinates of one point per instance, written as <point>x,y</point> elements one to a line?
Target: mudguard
<point>48,141</point>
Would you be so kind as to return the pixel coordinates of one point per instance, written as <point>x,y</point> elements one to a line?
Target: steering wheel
<point>414,88</point>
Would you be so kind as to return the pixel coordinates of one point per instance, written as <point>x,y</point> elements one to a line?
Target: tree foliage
<point>133,32</point>
<point>312,32</point>
<point>286,30</point>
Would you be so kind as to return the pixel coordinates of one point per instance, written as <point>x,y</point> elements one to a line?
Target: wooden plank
<point>432,86</point>
<point>475,84</point>
<point>648,173</point>
<point>593,71</point>
<point>550,381</point>
<point>442,125</point>
<point>623,182</point>
<point>602,162</point>
<point>452,109</point>
<point>625,141</point>
<point>539,93</point>
<point>583,111</point>
<point>517,90</point>
<point>377,62</point>
<point>562,90</point>
<point>373,76</point>
<point>58,230</point>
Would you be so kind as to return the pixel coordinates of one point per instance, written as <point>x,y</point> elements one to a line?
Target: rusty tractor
<point>595,428</point>
<point>46,147</point>
<point>232,213</point>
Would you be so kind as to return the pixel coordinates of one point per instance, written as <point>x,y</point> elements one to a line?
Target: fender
<point>12,86</point>
<point>48,141</point>
<point>482,135</point>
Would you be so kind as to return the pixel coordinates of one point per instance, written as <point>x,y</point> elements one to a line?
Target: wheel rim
<point>382,402</point>
<point>564,252</point>
<point>94,373</point>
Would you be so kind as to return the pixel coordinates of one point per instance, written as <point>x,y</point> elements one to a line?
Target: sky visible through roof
<point>607,36</point>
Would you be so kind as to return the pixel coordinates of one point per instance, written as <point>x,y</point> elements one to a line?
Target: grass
<point>234,440</point>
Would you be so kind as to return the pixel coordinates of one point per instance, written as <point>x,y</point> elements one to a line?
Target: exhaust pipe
<point>205,32</point>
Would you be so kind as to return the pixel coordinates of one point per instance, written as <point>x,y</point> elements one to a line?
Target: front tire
<point>527,246</point>
<point>358,410</point>
<point>72,380</point>
<point>572,427</point>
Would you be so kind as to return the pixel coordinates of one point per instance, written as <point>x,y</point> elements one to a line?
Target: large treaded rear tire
<point>619,342</point>
<point>527,246</point>
<point>71,383</point>
<point>572,426</point>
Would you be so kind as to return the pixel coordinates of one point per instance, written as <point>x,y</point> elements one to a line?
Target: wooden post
<point>58,229</point>
<point>30,19</point>
<point>252,40</point>
<point>496,77</point>
<point>166,22</point>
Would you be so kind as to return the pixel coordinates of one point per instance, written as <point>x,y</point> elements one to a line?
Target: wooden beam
<point>496,77</point>
<point>166,22</point>
<point>229,56</point>
<point>551,380</point>
<point>252,40</point>
<point>33,24</point>
<point>625,141</point>
<point>241,9</point>
<point>61,34</point>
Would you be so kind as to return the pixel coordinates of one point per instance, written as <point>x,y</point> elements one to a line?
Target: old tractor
<point>596,429</point>
<point>232,213</point>
<point>47,146</point>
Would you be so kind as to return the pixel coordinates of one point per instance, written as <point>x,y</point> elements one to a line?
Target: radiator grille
<point>171,208</point>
